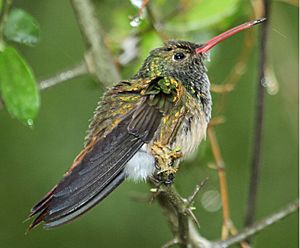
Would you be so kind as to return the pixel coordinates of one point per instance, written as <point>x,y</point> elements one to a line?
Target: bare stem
<point>260,225</point>
<point>196,191</point>
<point>141,9</point>
<point>222,179</point>
<point>228,226</point>
<point>99,61</point>
<point>155,24</point>
<point>258,131</point>
<point>73,72</point>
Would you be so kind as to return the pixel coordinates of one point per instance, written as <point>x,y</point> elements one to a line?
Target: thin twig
<point>257,141</point>
<point>197,189</point>
<point>143,6</point>
<point>155,24</point>
<point>228,226</point>
<point>73,72</point>
<point>99,60</point>
<point>70,73</point>
<point>179,9</point>
<point>260,225</point>
<point>222,178</point>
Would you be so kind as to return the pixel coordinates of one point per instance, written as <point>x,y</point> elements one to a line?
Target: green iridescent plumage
<point>157,117</point>
<point>141,129</point>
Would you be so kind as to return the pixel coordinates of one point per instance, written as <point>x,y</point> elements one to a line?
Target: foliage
<point>17,82</point>
<point>18,86</point>
<point>22,28</point>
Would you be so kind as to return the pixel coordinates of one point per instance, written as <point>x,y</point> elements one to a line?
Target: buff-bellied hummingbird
<point>141,129</point>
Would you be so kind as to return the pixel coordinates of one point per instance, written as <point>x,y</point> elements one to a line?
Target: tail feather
<point>72,215</point>
<point>42,203</point>
<point>92,202</point>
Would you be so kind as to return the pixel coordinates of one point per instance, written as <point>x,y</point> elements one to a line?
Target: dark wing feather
<point>99,170</point>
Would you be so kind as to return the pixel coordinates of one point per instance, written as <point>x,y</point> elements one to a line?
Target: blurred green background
<point>33,160</point>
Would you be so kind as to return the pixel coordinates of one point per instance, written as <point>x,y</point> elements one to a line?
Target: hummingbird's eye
<point>178,56</point>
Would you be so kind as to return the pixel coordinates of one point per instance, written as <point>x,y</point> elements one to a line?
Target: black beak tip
<point>260,20</point>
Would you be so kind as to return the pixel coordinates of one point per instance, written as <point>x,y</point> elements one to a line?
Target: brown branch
<point>260,225</point>
<point>228,226</point>
<point>258,131</point>
<point>99,61</point>
<point>222,179</point>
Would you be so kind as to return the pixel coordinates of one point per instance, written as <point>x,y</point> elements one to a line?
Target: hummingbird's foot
<point>165,158</point>
<point>165,178</point>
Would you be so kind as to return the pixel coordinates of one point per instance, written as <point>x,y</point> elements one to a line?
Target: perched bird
<point>142,128</point>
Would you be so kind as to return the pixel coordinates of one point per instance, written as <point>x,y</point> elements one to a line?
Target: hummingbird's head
<point>176,59</point>
<point>183,60</point>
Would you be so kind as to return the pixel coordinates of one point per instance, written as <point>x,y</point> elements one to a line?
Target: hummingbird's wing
<point>99,168</point>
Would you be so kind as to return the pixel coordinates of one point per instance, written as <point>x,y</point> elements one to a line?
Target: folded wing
<point>99,170</point>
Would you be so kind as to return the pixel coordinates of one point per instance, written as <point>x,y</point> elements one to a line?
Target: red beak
<point>214,41</point>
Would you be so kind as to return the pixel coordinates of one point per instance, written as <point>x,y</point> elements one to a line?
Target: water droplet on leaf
<point>29,122</point>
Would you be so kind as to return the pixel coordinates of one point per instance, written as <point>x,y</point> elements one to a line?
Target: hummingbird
<point>141,129</point>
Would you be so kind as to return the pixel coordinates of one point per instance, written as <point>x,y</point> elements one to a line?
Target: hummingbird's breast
<point>191,131</point>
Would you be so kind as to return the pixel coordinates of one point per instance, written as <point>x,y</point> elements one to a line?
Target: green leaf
<point>204,14</point>
<point>18,86</point>
<point>21,27</point>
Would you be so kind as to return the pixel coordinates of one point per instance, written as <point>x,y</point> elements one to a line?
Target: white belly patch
<point>140,166</point>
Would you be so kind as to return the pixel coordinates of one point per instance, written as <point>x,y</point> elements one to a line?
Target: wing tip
<point>38,219</point>
<point>40,209</point>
